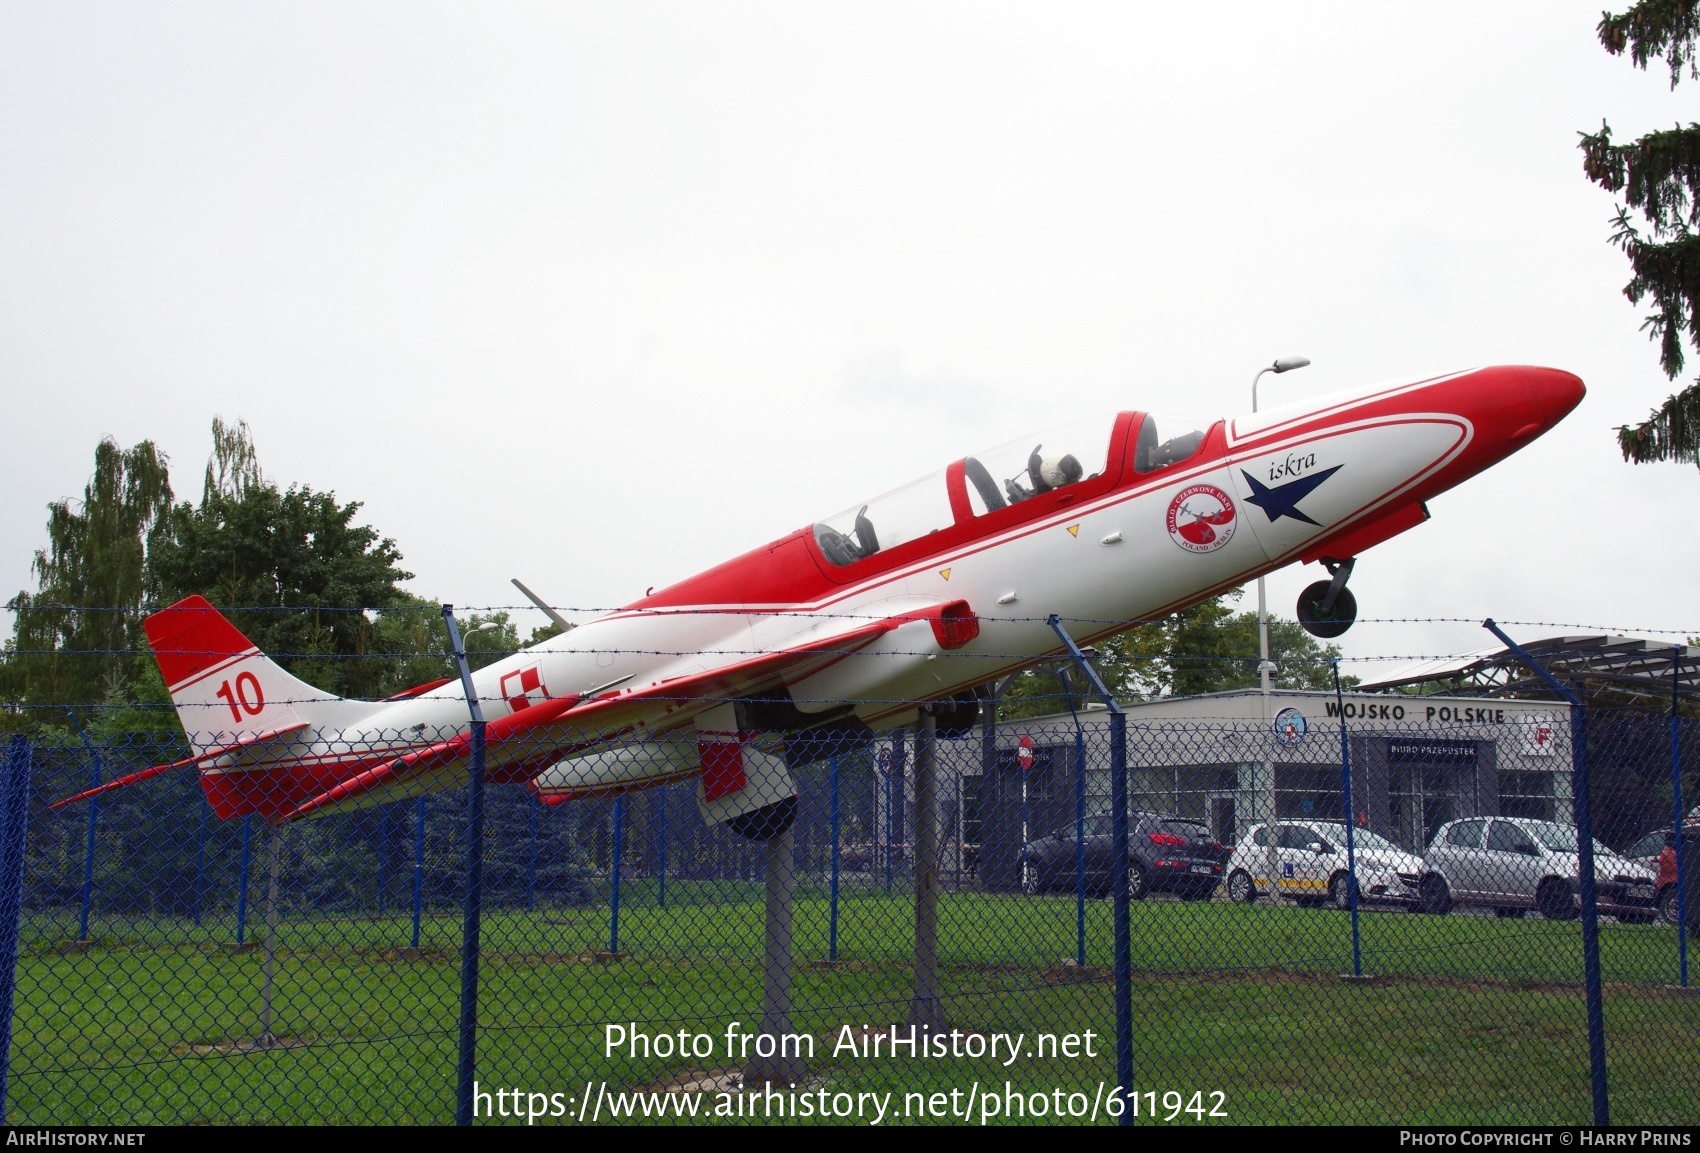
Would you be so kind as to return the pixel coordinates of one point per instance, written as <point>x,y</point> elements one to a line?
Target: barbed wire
<point>1006,657</point>
<point>434,610</point>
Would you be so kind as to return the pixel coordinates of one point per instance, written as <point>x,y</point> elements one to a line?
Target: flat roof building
<point>1416,763</point>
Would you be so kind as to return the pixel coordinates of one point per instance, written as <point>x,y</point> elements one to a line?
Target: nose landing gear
<point>1328,608</point>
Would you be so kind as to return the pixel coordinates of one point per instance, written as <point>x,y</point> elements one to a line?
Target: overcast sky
<point>599,295</point>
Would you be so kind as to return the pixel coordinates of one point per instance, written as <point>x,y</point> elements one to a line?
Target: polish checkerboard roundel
<point>523,688</point>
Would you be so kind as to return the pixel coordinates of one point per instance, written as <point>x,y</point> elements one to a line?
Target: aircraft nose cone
<point>1555,391</point>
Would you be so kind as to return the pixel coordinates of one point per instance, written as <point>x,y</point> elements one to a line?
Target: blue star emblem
<point>1284,500</point>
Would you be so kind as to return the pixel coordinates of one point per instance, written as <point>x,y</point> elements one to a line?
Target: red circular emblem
<point>1024,752</point>
<point>1201,518</point>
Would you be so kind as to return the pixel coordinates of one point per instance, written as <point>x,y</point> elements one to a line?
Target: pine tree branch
<point>1652,28</point>
<point>1669,274</point>
<point>1672,432</point>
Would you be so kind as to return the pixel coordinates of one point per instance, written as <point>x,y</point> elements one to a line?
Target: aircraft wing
<point>522,744</point>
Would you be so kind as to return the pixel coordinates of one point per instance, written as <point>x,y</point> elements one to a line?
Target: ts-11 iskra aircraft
<point>846,626</point>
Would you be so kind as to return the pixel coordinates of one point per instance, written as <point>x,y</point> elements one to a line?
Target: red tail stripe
<point>190,637</point>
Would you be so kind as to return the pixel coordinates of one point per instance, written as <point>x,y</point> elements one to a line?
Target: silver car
<point>1514,864</point>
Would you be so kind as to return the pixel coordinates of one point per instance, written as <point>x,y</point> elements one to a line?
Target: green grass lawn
<point>1472,1019</point>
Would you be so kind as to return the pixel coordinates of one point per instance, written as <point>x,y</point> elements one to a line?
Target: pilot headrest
<point>1057,471</point>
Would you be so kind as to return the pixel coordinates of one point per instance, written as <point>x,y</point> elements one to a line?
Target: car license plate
<point>1202,869</point>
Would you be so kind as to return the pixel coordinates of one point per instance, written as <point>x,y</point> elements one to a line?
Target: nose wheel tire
<point>1335,620</point>
<point>1137,884</point>
<point>1240,887</point>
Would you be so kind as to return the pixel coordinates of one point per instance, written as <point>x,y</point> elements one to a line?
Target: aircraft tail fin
<point>227,692</point>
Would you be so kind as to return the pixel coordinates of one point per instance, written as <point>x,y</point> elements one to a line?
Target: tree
<point>297,575</point>
<point>1659,177</point>
<point>292,569</point>
<point>75,639</point>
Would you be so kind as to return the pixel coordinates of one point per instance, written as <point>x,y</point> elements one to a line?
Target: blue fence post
<point>467,1066</point>
<point>1079,824</point>
<point>832,891</point>
<point>1026,833</point>
<point>1118,852</point>
<point>1585,867</point>
<point>661,850</point>
<point>614,877</point>
<point>1080,847</point>
<point>531,859</point>
<point>14,817</point>
<point>1676,818</point>
<point>418,872</point>
<point>1123,934</point>
<point>890,773</point>
<point>88,853</point>
<point>383,855</point>
<point>200,856</point>
<point>242,881</point>
<point>1351,822</point>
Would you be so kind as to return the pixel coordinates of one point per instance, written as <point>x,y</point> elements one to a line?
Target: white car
<point>1312,860</point>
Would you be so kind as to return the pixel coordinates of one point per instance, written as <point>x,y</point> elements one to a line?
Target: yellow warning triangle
<point>1073,530</point>
<point>945,573</point>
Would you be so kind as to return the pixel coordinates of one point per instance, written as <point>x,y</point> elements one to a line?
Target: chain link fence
<point>933,936</point>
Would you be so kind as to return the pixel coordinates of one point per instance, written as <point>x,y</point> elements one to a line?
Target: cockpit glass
<point>898,517</point>
<point>1009,474</point>
<point>1037,463</point>
<point>1166,440</point>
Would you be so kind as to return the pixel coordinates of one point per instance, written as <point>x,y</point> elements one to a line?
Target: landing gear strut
<point>1328,608</point>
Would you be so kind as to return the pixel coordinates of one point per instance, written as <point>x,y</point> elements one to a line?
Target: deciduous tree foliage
<point>1658,176</point>
<point>302,579</point>
<point>270,553</point>
<point>75,638</point>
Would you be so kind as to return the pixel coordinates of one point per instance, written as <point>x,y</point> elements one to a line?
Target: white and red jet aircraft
<point>916,596</point>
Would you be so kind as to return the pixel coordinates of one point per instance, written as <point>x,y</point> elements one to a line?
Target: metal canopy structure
<point>1628,670</point>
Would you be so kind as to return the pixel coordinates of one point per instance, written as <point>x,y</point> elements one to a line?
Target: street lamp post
<point>1265,667</point>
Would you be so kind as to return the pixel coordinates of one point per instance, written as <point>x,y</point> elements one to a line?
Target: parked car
<point>1514,864</point>
<point>1657,851</point>
<point>1165,854</point>
<point>1312,860</point>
